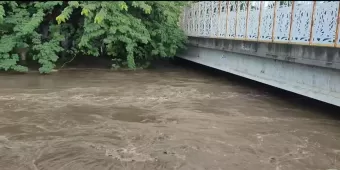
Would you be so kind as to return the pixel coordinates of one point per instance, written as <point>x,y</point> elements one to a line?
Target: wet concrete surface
<point>160,119</point>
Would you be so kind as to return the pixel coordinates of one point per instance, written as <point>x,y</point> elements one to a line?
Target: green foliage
<point>131,32</point>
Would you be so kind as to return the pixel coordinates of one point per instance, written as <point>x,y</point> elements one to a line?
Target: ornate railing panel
<point>267,20</point>
<point>222,27</point>
<point>283,15</point>
<point>325,22</point>
<point>302,21</point>
<point>215,18</point>
<point>253,20</point>
<point>196,19</point>
<point>314,23</point>
<point>231,19</point>
<point>241,19</point>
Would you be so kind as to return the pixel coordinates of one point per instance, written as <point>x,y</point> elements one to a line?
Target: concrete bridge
<point>292,45</point>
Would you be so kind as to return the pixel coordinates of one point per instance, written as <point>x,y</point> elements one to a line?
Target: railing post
<point>212,3</point>
<point>312,24</point>
<point>237,8</point>
<point>185,19</point>
<point>291,23</point>
<point>274,19</point>
<point>219,15</point>
<point>247,16</point>
<point>227,12</point>
<point>195,19</point>
<point>337,28</point>
<point>259,26</point>
<point>198,24</point>
<point>204,18</point>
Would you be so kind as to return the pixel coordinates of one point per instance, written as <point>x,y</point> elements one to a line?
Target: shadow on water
<point>306,103</point>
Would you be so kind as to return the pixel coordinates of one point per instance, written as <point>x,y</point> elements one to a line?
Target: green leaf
<point>132,32</point>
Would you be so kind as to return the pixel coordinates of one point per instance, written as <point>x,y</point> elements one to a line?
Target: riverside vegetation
<point>131,33</point>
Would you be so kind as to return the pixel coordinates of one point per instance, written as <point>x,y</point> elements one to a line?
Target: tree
<point>131,32</point>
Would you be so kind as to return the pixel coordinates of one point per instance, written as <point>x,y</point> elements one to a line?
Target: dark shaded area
<point>106,62</point>
<point>87,62</point>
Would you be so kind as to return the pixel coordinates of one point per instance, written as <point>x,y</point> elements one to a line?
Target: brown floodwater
<point>172,118</point>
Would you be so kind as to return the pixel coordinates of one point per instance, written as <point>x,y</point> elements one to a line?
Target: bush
<point>131,32</point>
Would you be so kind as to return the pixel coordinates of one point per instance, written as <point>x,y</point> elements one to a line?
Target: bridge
<point>292,45</point>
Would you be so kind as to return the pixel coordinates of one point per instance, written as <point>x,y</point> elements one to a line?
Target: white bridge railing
<point>314,23</point>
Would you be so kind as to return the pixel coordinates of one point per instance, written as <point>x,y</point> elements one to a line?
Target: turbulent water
<point>159,119</point>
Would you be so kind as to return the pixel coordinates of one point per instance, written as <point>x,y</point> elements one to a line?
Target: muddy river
<point>172,118</point>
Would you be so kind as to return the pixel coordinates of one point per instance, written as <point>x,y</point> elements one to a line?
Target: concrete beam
<point>321,83</point>
<point>316,56</point>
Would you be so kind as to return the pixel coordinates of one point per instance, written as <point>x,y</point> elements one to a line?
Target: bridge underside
<point>289,73</point>
<point>292,45</point>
